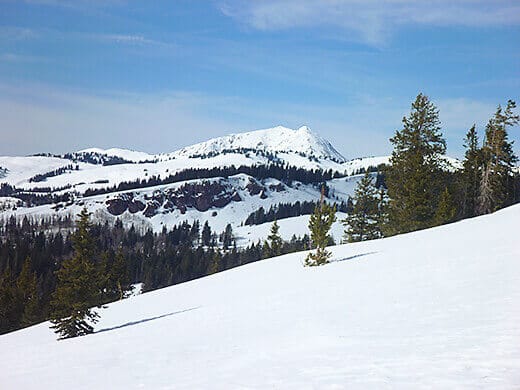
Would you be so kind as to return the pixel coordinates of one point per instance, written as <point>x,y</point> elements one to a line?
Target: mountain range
<point>222,181</point>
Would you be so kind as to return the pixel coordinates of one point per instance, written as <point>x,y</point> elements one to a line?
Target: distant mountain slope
<point>277,139</point>
<point>221,181</point>
<point>436,308</point>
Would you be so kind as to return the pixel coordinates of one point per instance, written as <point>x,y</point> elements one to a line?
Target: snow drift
<point>437,308</point>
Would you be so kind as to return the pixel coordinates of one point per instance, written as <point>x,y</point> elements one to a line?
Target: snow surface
<point>129,155</point>
<point>276,139</point>
<point>437,308</point>
<point>234,213</point>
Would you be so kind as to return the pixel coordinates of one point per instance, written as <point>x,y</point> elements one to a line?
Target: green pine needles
<point>414,177</point>
<point>364,222</point>
<point>319,224</point>
<point>274,241</point>
<point>78,286</point>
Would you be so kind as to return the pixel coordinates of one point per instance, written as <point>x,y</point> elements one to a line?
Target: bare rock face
<point>117,206</point>
<point>123,202</point>
<point>136,206</point>
<point>151,208</point>
<point>254,188</point>
<point>201,196</point>
<point>278,187</point>
<point>236,197</point>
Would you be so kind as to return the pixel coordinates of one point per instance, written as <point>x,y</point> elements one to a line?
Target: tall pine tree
<point>117,278</point>
<point>362,223</point>
<point>275,241</point>
<point>414,176</point>
<point>27,287</point>
<point>319,225</point>
<point>471,173</point>
<point>496,188</point>
<point>78,288</point>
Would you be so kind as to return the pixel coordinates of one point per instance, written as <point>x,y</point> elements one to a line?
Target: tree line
<point>282,172</point>
<point>418,191</point>
<point>100,263</point>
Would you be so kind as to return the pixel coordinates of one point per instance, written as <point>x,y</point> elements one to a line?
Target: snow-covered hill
<point>220,181</point>
<point>432,309</point>
<point>278,139</point>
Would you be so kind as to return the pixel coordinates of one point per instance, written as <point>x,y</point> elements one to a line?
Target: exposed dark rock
<point>136,206</point>
<point>168,205</point>
<point>201,195</point>
<point>277,187</point>
<point>254,188</point>
<point>117,206</point>
<point>151,209</point>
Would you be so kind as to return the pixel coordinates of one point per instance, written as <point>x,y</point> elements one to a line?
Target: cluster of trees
<point>422,192</point>
<point>35,197</point>
<point>95,158</point>
<point>417,190</point>
<point>37,257</point>
<point>49,275</point>
<point>55,172</point>
<point>286,210</point>
<point>284,173</point>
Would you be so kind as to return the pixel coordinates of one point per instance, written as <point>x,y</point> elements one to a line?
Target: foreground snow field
<point>438,308</point>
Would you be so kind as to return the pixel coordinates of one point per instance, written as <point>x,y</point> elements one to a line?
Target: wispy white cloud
<point>128,39</point>
<point>11,33</point>
<point>370,20</point>
<point>76,3</point>
<point>20,58</point>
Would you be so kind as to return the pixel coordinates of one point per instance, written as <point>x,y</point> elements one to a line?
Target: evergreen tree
<point>118,278</point>
<point>206,235</point>
<point>215,263</point>
<point>319,225</point>
<point>496,184</point>
<point>27,288</point>
<point>471,173</point>
<point>413,178</point>
<point>10,307</point>
<point>227,237</point>
<point>77,290</point>
<point>382,210</point>
<point>362,223</point>
<point>446,211</point>
<point>275,240</point>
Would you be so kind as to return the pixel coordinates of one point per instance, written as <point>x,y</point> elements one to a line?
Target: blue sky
<point>156,76</point>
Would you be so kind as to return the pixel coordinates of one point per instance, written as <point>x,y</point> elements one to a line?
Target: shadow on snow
<point>353,257</point>
<point>146,320</point>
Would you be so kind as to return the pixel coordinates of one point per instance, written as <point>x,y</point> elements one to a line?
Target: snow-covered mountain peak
<point>277,139</point>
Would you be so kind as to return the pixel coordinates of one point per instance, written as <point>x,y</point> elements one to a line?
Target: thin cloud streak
<point>371,21</point>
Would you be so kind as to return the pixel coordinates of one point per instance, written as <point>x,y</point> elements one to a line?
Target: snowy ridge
<point>126,154</point>
<point>436,308</point>
<point>116,173</point>
<point>276,139</point>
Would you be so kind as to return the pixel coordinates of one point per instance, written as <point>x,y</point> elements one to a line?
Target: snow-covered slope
<point>276,139</point>
<point>60,185</point>
<point>129,155</point>
<point>431,309</point>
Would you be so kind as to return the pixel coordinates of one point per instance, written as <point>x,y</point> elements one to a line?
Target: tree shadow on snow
<point>353,257</point>
<point>146,320</point>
